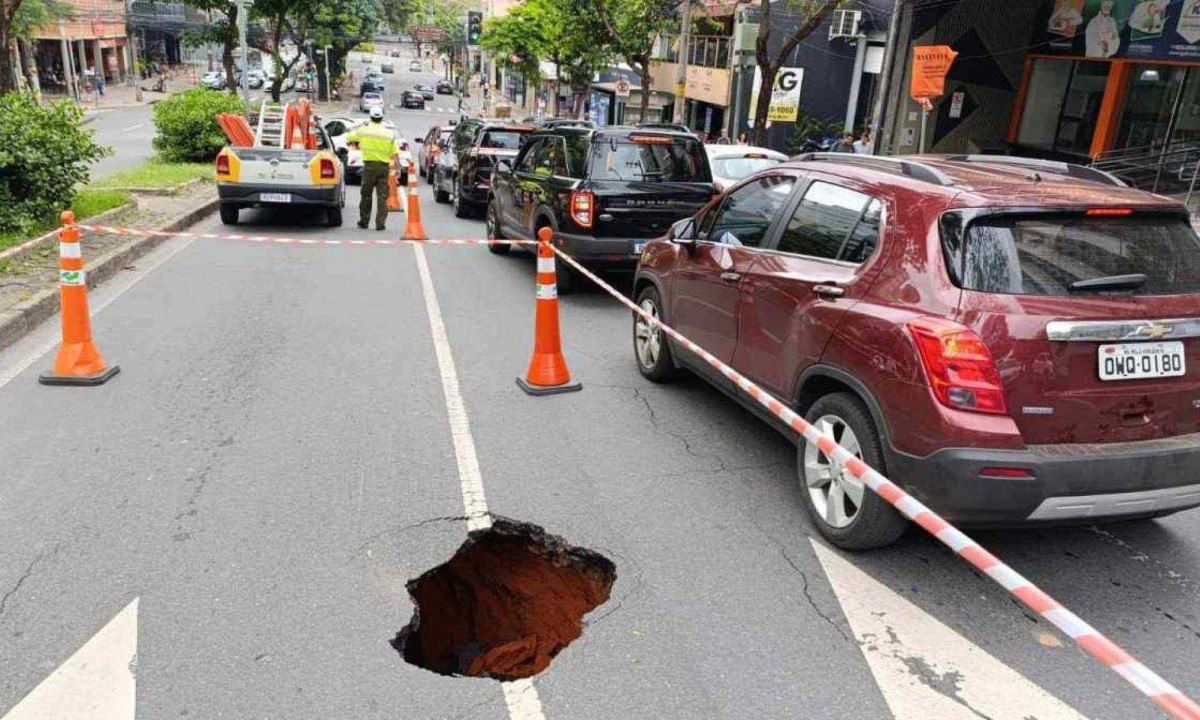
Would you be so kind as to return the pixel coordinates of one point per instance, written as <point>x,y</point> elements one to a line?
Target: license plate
<point>1137,361</point>
<point>638,246</point>
<point>276,197</point>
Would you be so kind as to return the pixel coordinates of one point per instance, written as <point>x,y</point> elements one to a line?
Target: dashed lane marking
<point>98,682</point>
<point>925,669</point>
<point>521,697</point>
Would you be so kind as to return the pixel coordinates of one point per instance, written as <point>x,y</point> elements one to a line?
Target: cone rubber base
<point>98,379</point>
<point>548,389</point>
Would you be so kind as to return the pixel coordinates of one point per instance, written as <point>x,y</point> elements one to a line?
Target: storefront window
<point>1062,105</point>
<point>1154,91</point>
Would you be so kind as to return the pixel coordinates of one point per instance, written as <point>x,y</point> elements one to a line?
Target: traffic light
<point>474,27</point>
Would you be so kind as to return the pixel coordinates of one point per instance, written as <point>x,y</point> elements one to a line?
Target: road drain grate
<point>505,605</point>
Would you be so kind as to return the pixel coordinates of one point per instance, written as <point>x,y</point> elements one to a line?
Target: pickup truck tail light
<point>222,164</point>
<point>959,367</point>
<point>583,208</point>
<point>327,170</point>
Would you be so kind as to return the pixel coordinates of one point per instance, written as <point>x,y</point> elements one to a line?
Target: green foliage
<point>44,154</point>
<point>88,203</point>
<point>810,127</point>
<point>156,174</point>
<point>187,124</point>
<point>365,46</point>
<point>34,14</point>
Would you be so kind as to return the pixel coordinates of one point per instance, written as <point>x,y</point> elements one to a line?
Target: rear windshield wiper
<point>1132,281</point>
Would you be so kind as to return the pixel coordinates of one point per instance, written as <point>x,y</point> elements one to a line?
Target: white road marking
<point>134,127</point>
<point>925,669</point>
<point>521,697</point>
<point>98,682</point>
<point>34,346</point>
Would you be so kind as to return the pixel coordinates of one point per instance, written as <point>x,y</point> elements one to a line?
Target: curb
<point>21,319</point>
<point>20,252</point>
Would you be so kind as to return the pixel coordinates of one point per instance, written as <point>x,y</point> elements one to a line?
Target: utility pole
<point>685,40</point>
<point>328,84</point>
<point>244,81</point>
<point>131,39</point>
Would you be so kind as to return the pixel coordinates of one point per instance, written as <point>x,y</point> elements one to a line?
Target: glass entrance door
<point>1150,106</point>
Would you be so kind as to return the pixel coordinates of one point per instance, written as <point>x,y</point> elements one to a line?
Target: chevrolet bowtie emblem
<point>1155,331</point>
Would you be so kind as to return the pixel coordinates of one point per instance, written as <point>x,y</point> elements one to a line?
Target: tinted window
<point>501,140</point>
<point>823,221</point>
<point>577,150</point>
<point>526,163</point>
<point>745,216</point>
<point>736,168</point>
<point>865,235</point>
<point>549,159</point>
<point>674,161</point>
<point>1044,256</point>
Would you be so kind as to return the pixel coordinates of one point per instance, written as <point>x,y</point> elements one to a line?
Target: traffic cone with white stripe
<point>413,175</point>
<point>393,198</point>
<point>414,230</point>
<point>548,373</point>
<point>78,361</point>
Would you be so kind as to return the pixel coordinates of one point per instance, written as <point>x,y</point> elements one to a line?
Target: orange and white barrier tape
<point>274,240</point>
<point>1169,699</point>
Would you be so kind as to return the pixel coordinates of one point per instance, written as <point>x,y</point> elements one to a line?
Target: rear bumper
<point>603,251</point>
<point>1070,483</point>
<point>248,195</point>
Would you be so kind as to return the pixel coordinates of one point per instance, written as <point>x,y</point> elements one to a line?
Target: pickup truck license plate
<point>1137,361</point>
<point>276,197</point>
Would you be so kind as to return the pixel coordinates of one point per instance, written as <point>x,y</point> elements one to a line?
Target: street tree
<point>222,31</point>
<point>282,20</point>
<point>631,27</point>
<point>570,37</point>
<point>400,14</point>
<point>340,25</point>
<point>807,15</point>
<point>515,42</point>
<point>18,18</point>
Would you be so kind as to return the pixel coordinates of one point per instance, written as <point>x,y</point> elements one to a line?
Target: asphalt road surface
<point>129,132</point>
<point>271,465</point>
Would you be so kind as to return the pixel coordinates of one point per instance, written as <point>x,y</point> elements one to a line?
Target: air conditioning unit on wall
<point>844,24</point>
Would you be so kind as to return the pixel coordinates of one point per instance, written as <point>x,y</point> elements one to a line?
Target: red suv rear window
<point>1058,255</point>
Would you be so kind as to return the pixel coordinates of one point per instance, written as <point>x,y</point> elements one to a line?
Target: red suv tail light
<point>222,164</point>
<point>959,367</point>
<point>327,170</point>
<point>583,208</point>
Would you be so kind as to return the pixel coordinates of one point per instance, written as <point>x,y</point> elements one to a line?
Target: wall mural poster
<point>1103,21</point>
<point>1067,17</point>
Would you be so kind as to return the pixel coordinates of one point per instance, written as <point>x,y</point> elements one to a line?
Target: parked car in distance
<point>387,67</point>
<point>213,80</point>
<point>338,129</point>
<point>1012,341</point>
<point>371,85</point>
<point>370,100</point>
<point>415,66</point>
<point>413,99</point>
<point>732,163</point>
<point>425,90</point>
<point>605,192</point>
<point>463,174</point>
<point>256,78</point>
<point>429,147</point>
<point>444,87</point>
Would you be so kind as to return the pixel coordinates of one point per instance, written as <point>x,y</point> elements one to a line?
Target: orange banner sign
<point>930,65</point>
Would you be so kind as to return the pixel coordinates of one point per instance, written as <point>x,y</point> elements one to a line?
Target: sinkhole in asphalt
<point>511,598</point>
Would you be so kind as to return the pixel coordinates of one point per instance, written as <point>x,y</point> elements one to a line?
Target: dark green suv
<point>604,191</point>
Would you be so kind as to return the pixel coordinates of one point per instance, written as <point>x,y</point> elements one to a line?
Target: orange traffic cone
<point>413,175</point>
<point>548,373</point>
<point>393,201</point>
<point>79,361</point>
<point>414,230</point>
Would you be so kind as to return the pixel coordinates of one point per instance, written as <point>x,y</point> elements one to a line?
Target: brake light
<point>327,170</point>
<point>222,164</point>
<point>583,208</point>
<point>1109,212</point>
<point>1008,473</point>
<point>755,156</point>
<point>959,367</point>
<point>651,139</point>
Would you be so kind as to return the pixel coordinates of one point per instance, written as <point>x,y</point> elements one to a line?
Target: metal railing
<point>703,50</point>
<point>1167,169</point>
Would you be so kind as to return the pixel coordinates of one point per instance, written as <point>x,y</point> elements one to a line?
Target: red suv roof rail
<point>1081,172</point>
<point>912,168</point>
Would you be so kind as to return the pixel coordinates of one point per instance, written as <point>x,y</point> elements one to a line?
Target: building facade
<point>91,40</point>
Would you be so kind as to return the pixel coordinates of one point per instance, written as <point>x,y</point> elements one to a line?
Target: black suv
<point>605,192</point>
<point>464,175</point>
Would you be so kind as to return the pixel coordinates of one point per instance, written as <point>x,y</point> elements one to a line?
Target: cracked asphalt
<point>273,464</point>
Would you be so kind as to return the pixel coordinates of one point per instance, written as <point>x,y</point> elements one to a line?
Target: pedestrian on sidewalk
<point>381,152</point>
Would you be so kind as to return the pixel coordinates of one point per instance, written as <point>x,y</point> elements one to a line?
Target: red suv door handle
<point>829,291</point>
<point>731,277</point>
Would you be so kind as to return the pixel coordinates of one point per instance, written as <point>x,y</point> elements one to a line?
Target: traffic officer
<point>381,152</point>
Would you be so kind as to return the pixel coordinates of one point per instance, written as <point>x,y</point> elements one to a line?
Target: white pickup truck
<point>268,175</point>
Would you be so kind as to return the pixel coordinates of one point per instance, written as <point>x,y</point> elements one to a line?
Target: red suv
<point>1011,340</point>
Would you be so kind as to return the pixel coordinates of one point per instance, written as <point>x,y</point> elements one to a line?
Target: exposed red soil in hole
<point>505,605</point>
